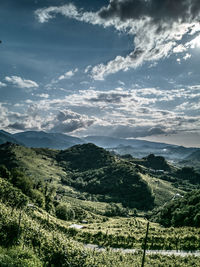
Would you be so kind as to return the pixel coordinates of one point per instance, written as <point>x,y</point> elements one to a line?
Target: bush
<point>65,212</point>
<point>21,181</point>
<point>9,233</point>
<point>11,195</point>
<point>16,257</point>
<point>38,198</point>
<point>4,173</point>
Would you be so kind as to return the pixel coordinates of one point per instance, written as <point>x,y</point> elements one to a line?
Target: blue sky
<point>119,68</point>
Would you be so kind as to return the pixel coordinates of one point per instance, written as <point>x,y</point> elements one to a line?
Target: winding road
<point>181,253</point>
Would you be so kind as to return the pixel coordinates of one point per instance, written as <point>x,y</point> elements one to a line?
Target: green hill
<point>84,171</point>
<point>84,157</point>
<point>92,173</point>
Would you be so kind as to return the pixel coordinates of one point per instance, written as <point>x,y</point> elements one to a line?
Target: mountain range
<point>135,147</point>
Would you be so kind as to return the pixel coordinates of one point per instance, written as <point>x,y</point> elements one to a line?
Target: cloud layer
<point>137,112</point>
<point>157,28</point>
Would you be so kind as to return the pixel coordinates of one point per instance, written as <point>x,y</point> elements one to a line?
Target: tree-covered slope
<point>85,157</point>
<point>182,211</point>
<point>92,173</point>
<point>87,169</point>
<point>117,182</point>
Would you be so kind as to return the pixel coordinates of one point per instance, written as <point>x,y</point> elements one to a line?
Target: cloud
<point>43,95</point>
<point>68,121</point>
<point>187,56</point>
<point>179,49</point>
<point>110,97</point>
<point>2,84</point>
<point>157,28</point>
<point>133,112</point>
<point>68,74</point>
<point>20,82</point>
<point>17,126</point>
<point>159,11</point>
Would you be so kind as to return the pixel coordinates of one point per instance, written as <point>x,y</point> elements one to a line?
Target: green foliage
<point>118,182</point>
<point>84,157</point>
<point>9,232</point>
<point>18,257</point>
<point>65,212</point>
<point>20,180</point>
<point>116,210</point>
<point>156,162</point>
<point>4,173</point>
<point>34,237</point>
<point>38,198</point>
<point>11,195</point>
<point>184,211</point>
<point>188,173</point>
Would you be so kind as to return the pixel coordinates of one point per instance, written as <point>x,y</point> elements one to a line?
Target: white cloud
<point>20,82</point>
<point>152,41</point>
<point>194,43</point>
<point>43,95</point>
<point>68,74</point>
<point>179,49</point>
<point>3,84</point>
<point>187,56</point>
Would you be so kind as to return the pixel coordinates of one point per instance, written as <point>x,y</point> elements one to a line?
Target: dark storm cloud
<point>157,10</point>
<point>71,126</point>
<point>67,115</point>
<point>17,126</point>
<point>110,97</point>
<point>68,121</point>
<point>138,131</point>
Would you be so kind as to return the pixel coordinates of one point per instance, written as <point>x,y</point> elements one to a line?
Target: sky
<point>127,69</point>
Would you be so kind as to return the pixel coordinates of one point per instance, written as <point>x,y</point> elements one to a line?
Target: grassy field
<point>163,191</point>
<point>43,239</point>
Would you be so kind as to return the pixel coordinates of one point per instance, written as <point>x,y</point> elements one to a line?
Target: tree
<point>65,212</point>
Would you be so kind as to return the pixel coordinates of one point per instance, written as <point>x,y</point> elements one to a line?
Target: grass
<point>42,234</point>
<point>163,191</point>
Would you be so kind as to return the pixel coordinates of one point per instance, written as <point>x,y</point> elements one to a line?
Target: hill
<point>182,211</point>
<point>45,194</point>
<point>135,147</point>
<point>84,171</point>
<point>92,173</point>
<point>193,160</point>
<point>7,137</point>
<point>32,237</point>
<point>47,140</point>
<point>85,157</point>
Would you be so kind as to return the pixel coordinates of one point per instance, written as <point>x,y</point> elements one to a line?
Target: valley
<point>45,193</point>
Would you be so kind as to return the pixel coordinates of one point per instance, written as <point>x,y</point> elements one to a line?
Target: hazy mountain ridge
<point>136,148</point>
<point>47,140</point>
<point>7,137</point>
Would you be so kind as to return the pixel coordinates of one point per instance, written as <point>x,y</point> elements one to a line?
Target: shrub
<point>65,212</point>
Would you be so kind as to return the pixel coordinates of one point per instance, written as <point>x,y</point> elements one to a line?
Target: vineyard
<point>38,218</point>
